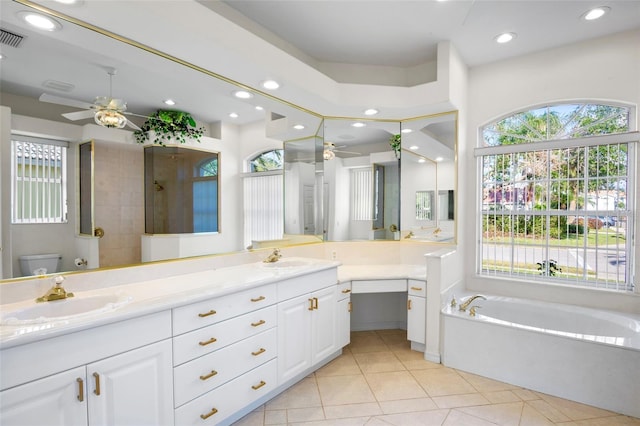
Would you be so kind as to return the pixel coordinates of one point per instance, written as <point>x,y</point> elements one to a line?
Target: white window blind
<point>263,207</point>
<point>362,194</point>
<point>39,189</point>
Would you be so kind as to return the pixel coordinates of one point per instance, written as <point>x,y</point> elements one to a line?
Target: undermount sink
<point>63,309</point>
<point>287,263</point>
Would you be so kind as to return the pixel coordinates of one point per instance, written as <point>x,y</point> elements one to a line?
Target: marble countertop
<point>147,297</point>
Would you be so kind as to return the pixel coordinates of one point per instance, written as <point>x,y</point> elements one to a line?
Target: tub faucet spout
<point>464,305</point>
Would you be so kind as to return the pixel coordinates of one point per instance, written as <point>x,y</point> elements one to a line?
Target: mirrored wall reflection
<point>361,190</point>
<point>429,178</point>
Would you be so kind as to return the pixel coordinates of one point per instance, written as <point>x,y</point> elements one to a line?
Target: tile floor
<point>379,381</point>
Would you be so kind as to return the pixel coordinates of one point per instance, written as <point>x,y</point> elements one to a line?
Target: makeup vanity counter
<point>201,348</point>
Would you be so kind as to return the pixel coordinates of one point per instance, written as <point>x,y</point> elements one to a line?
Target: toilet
<point>40,264</point>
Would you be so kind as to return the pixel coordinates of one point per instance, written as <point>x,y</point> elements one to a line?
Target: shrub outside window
<point>556,196</point>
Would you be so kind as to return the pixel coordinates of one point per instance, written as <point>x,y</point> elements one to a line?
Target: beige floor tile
<point>575,410</point>
<point>456,401</point>
<point>389,386</point>
<point>254,418</point>
<point>442,381</point>
<point>499,397</point>
<point>299,415</point>
<point>420,418</point>
<point>502,414</point>
<point>483,384</point>
<point>525,394</point>
<point>275,417</point>
<point>339,390</point>
<point>609,421</point>
<point>531,417</point>
<point>376,362</point>
<point>356,421</point>
<point>301,395</point>
<point>344,365</point>
<point>458,418</point>
<point>352,410</point>
<point>413,360</point>
<point>547,410</point>
<point>407,405</point>
<point>366,341</point>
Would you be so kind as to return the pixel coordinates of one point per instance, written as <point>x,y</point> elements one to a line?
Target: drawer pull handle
<point>80,389</point>
<point>409,304</point>
<point>209,414</point>
<point>346,290</point>
<point>350,307</point>
<point>207,342</point>
<point>416,288</point>
<point>208,376</point>
<point>259,323</point>
<point>261,351</point>
<point>258,299</point>
<point>259,385</point>
<point>206,314</point>
<point>97,389</point>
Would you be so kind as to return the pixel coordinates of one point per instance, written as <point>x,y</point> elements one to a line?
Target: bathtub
<point>581,354</point>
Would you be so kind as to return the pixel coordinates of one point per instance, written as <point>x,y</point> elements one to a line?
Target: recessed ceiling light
<point>505,37</point>
<point>422,160</point>
<point>39,21</point>
<point>270,84</point>
<point>2,56</point>
<point>358,124</point>
<point>259,108</point>
<point>76,2</point>
<point>242,94</point>
<point>406,131</point>
<point>371,111</point>
<point>595,13</point>
<point>439,158</point>
<point>414,147</point>
<point>298,127</point>
<point>233,115</point>
<point>169,102</point>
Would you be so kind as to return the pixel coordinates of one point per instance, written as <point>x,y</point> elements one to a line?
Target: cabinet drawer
<point>378,286</point>
<point>417,288</point>
<point>210,371</point>
<point>201,314</point>
<point>225,400</point>
<point>344,290</point>
<point>294,287</point>
<point>206,340</point>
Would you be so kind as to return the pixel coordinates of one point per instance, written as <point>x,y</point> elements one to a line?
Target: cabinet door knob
<point>96,376</point>
<point>207,342</point>
<point>206,314</point>
<point>409,304</point>
<point>315,303</point>
<point>350,307</point>
<point>209,414</point>
<point>80,389</point>
<point>259,385</point>
<point>311,304</point>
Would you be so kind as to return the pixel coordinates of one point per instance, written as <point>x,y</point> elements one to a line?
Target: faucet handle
<point>58,280</point>
<point>472,310</point>
<point>453,301</point>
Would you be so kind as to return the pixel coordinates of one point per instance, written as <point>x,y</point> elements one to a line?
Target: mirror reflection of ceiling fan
<point>331,148</point>
<point>106,111</point>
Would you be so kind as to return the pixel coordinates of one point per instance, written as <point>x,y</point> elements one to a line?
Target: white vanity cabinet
<point>130,388</point>
<point>416,310</point>
<point>307,322</point>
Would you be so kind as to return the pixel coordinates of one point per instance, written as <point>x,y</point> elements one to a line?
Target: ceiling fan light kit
<point>110,118</point>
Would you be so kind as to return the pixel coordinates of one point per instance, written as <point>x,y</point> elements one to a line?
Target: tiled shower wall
<point>119,202</point>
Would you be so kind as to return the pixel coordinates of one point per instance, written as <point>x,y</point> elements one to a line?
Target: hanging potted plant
<point>169,126</point>
<point>394,142</point>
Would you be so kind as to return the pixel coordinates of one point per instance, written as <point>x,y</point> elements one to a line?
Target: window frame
<point>631,138</point>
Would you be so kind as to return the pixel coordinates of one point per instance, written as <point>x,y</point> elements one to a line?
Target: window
<point>556,196</point>
<point>205,196</point>
<point>362,193</point>
<point>264,197</point>
<point>39,189</point>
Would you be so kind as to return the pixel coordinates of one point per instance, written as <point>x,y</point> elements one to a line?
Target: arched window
<point>267,161</point>
<point>555,195</point>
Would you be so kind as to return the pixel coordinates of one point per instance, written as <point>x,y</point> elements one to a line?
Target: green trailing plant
<point>167,126</point>
<point>394,142</point>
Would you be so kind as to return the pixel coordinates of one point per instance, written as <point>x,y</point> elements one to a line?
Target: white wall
<point>606,69</point>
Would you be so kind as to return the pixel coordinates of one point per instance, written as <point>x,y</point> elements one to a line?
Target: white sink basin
<point>63,309</point>
<point>287,263</point>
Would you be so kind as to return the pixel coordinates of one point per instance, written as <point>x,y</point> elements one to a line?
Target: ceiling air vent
<point>58,85</point>
<point>10,39</point>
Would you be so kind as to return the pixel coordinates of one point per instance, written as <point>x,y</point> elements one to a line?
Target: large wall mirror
<point>429,178</point>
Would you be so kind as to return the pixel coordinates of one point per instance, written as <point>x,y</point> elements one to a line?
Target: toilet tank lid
<point>40,256</point>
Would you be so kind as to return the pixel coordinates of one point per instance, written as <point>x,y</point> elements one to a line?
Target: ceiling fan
<point>106,111</point>
<point>331,148</point>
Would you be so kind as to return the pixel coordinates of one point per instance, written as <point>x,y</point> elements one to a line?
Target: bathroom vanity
<point>202,348</point>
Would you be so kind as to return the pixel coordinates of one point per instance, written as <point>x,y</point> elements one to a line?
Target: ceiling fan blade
<point>133,125</point>
<point>347,152</point>
<point>79,115</point>
<point>53,99</point>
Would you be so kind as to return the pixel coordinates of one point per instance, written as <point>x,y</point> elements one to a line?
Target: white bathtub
<point>581,354</point>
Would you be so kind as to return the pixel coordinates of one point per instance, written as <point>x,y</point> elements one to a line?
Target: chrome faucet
<point>464,305</point>
<point>273,257</point>
<point>56,292</point>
